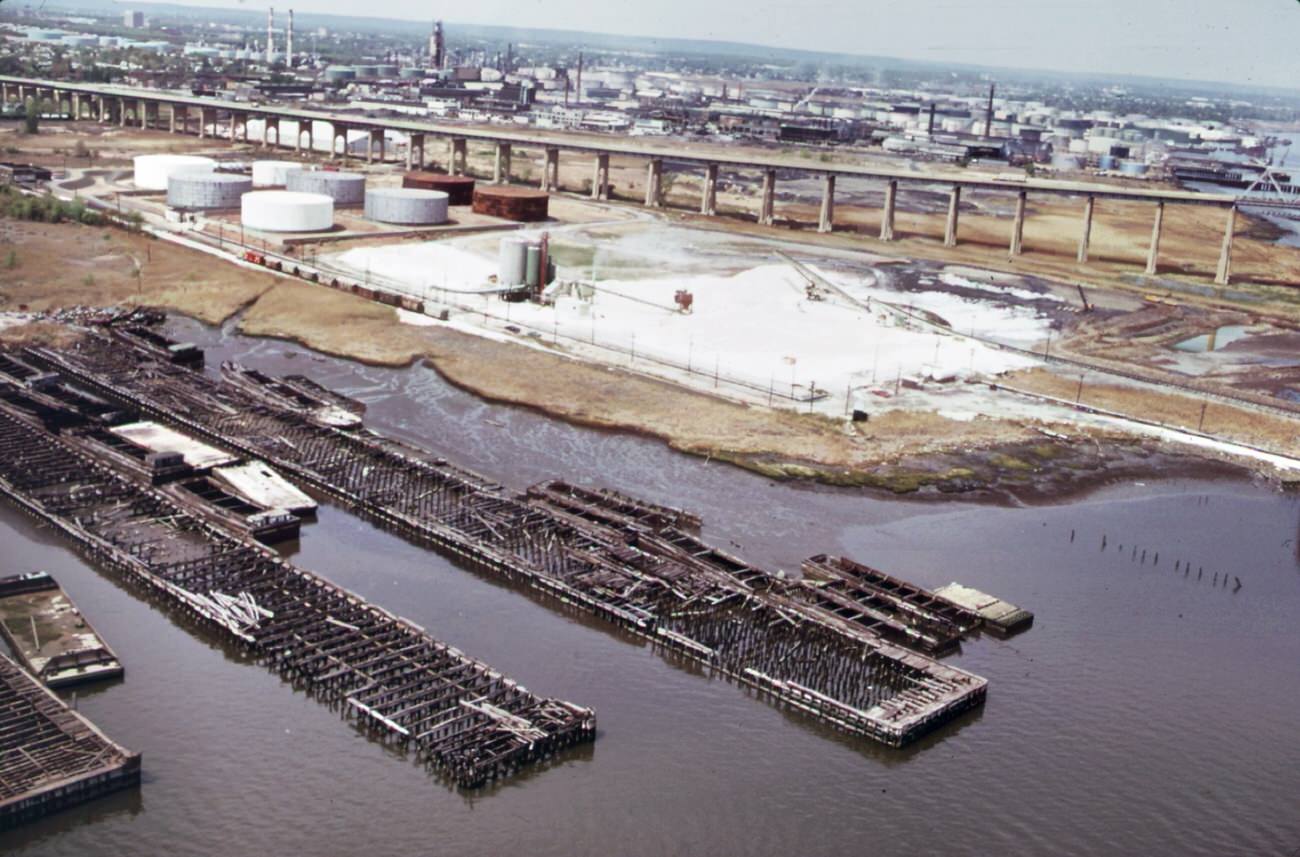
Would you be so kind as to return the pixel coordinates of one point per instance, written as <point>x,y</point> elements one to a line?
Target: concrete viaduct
<point>145,108</point>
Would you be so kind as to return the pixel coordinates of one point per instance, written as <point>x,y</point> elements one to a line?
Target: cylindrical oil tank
<point>1066,162</point>
<point>273,173</point>
<point>152,171</point>
<point>511,203</point>
<point>459,189</point>
<point>411,73</point>
<point>387,71</point>
<point>343,188</point>
<point>512,261</point>
<point>1107,162</point>
<point>366,70</point>
<point>340,73</point>
<point>197,190</point>
<point>408,206</point>
<point>533,265</point>
<point>1133,168</point>
<point>286,211</point>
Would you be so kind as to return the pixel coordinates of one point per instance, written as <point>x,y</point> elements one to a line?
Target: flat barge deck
<point>457,714</point>
<point>49,635</point>
<point>629,563</point>
<point>51,757</point>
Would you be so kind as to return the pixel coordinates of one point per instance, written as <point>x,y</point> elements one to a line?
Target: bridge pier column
<point>501,164</point>
<point>1085,237</point>
<point>171,119</point>
<point>4,93</point>
<point>1018,227</point>
<point>76,106</point>
<point>203,122</point>
<point>551,171</point>
<point>600,180</point>
<point>121,112</point>
<point>950,226</point>
<point>1224,274</point>
<point>414,141</point>
<point>709,196</point>
<point>826,220</point>
<point>458,156</point>
<point>654,182</point>
<point>1153,252</point>
<point>336,132</point>
<point>887,218</point>
<point>142,111</point>
<point>766,203</point>
<point>311,127</point>
<point>383,143</point>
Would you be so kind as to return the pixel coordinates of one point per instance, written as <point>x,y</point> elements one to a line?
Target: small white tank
<point>273,173</point>
<point>286,211</point>
<point>512,261</point>
<point>152,171</point>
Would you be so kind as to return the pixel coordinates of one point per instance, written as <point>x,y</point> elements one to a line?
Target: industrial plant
<point>413,427</point>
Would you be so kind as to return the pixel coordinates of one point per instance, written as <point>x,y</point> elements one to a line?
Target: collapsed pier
<point>636,565</point>
<point>457,714</point>
<point>51,757</point>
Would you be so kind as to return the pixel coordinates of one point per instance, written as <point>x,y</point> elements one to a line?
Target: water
<point>1223,337</point>
<point>1147,712</point>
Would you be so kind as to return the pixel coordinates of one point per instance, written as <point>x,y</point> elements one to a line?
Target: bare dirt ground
<point>64,265</point>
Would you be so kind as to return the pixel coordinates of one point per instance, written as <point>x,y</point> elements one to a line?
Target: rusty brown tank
<point>512,203</point>
<point>459,189</point>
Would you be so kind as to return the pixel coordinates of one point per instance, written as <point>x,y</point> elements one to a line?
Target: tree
<point>32,116</point>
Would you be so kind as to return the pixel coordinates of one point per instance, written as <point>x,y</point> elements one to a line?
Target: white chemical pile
<point>756,327</point>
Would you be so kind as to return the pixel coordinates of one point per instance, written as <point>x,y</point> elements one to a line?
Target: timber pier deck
<point>632,564</point>
<point>457,714</point>
<point>51,757</point>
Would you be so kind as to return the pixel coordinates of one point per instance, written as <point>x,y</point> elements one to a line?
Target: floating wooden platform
<point>51,757</point>
<point>49,635</point>
<point>457,714</point>
<point>624,561</point>
<point>999,616</point>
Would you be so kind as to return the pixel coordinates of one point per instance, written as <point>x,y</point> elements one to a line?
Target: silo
<point>286,211</point>
<point>273,173</point>
<point>152,171</point>
<point>407,206</point>
<point>198,190</point>
<point>512,261</point>
<point>343,188</point>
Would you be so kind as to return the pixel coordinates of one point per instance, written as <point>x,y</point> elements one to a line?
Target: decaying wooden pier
<point>456,713</point>
<point>636,565</point>
<point>51,757</point>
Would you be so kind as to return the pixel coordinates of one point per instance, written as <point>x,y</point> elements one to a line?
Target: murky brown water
<point>1147,712</point>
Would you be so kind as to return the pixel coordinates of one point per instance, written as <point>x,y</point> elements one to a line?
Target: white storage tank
<point>152,171</point>
<point>512,261</point>
<point>343,188</point>
<point>408,206</point>
<point>196,190</point>
<point>273,173</point>
<point>286,211</point>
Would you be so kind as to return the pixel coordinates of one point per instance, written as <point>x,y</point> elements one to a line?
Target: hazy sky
<point>1240,41</point>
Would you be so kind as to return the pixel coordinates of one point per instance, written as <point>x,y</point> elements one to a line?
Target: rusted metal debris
<point>633,564</point>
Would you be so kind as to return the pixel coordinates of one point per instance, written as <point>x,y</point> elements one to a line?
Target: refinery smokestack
<point>270,36</point>
<point>439,48</point>
<point>288,43</point>
<point>988,115</point>
<point>579,83</point>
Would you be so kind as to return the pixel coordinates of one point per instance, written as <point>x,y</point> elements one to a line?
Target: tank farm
<point>845,644</point>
